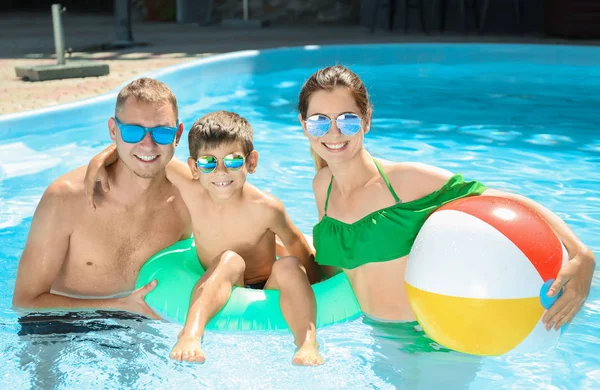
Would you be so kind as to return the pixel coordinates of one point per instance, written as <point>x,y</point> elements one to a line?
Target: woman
<point>371,210</point>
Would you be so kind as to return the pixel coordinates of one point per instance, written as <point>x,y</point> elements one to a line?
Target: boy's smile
<point>222,170</point>
<point>221,184</point>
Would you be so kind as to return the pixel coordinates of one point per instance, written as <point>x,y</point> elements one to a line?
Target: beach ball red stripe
<point>511,218</point>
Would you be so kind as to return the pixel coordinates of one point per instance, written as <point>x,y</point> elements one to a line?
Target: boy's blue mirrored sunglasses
<point>318,125</point>
<point>233,162</point>
<point>132,134</point>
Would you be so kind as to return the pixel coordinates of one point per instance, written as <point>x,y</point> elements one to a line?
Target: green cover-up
<point>385,234</point>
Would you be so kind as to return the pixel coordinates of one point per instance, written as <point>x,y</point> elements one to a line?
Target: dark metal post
<point>123,32</point>
<point>59,37</point>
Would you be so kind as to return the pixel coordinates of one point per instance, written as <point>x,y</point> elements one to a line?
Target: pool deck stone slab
<point>69,70</point>
<point>27,40</point>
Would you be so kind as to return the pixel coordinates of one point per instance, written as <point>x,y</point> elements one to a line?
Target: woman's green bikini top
<point>386,234</point>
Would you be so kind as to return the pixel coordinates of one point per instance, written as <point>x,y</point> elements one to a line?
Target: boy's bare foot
<point>308,355</point>
<point>188,349</point>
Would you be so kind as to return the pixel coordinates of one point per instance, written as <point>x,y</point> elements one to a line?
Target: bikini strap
<point>328,192</point>
<point>387,182</point>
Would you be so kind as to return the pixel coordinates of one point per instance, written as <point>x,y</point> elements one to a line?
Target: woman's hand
<point>574,279</point>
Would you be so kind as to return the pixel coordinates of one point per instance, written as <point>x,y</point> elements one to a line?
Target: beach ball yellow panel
<point>475,273</point>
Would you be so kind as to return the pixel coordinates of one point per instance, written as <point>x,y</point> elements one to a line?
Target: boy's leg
<point>298,305</point>
<point>209,296</point>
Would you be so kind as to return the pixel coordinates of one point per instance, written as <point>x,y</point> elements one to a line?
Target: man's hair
<point>218,128</point>
<point>147,90</point>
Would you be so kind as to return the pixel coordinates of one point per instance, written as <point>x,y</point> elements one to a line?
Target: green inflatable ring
<point>177,270</point>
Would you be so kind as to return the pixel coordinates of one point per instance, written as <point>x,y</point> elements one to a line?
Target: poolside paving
<point>26,39</point>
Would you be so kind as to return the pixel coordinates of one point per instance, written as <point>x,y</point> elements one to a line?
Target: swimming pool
<point>518,118</point>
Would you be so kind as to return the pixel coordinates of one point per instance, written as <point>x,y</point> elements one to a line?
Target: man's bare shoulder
<point>68,187</point>
<point>63,201</point>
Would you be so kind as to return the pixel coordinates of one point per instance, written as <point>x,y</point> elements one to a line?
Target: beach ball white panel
<point>538,340</point>
<point>457,254</point>
<point>565,259</point>
<point>541,339</point>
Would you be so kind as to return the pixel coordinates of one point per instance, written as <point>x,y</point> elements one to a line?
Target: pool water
<point>518,118</point>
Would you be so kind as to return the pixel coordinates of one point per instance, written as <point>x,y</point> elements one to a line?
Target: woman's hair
<point>328,79</point>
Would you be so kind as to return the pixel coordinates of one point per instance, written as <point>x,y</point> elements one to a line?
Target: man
<point>78,257</point>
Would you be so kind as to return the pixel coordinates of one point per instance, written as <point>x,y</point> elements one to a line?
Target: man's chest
<point>117,245</point>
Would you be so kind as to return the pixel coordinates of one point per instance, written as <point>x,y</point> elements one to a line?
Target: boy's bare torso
<point>240,226</point>
<point>108,246</point>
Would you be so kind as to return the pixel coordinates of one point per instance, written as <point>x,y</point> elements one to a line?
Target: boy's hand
<point>96,172</point>
<point>135,302</point>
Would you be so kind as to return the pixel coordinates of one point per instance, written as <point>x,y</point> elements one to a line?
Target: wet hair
<point>147,90</point>
<point>218,128</point>
<point>328,79</point>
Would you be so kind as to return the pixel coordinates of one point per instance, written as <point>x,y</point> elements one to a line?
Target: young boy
<point>234,226</point>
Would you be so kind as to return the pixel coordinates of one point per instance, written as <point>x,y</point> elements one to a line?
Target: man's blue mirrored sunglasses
<point>132,134</point>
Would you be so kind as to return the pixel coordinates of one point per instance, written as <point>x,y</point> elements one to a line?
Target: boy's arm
<point>96,172</point>
<point>293,239</point>
<point>44,254</point>
<point>177,172</point>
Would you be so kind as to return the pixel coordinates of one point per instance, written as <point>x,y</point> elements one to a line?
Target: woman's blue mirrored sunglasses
<point>318,125</point>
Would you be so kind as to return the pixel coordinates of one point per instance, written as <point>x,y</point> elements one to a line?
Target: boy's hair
<point>218,128</point>
<point>147,90</point>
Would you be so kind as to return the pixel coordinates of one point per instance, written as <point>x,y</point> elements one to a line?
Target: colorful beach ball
<point>478,274</point>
